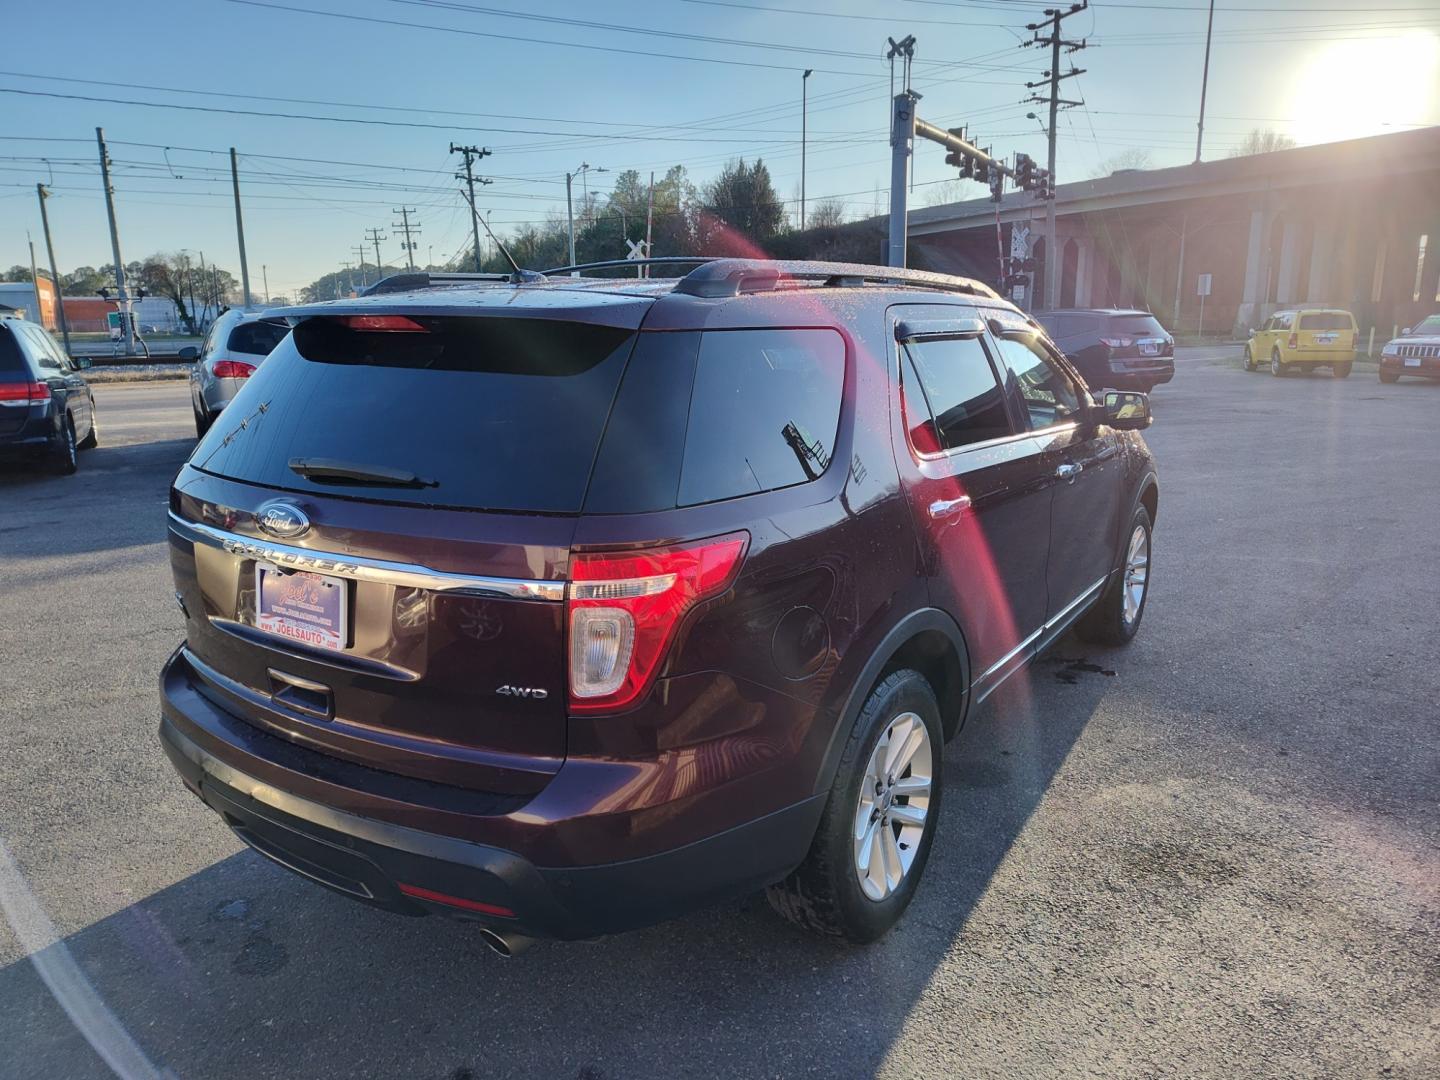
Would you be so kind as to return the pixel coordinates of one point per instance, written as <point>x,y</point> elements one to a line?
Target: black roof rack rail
<point>615,264</point>
<point>424,279</point>
<point>731,277</point>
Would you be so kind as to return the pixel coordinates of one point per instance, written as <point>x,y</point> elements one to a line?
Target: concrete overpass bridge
<point>1352,224</point>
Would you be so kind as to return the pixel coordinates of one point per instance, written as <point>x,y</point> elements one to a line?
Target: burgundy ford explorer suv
<point>570,605</point>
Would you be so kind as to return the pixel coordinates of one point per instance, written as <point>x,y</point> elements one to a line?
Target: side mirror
<point>189,352</point>
<point>1126,410</point>
<point>81,363</point>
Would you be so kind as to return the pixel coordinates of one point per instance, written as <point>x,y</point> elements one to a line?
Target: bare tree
<point>1126,160</point>
<point>1262,141</point>
<point>826,214</point>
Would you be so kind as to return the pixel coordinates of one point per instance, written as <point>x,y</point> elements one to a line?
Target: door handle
<point>1068,472</point>
<point>946,507</point>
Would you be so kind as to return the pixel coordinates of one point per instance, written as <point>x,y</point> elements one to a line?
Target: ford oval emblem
<point>282,519</point>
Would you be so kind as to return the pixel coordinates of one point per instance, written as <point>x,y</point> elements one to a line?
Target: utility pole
<point>375,239</point>
<point>1053,257</point>
<point>472,154</point>
<point>265,277</point>
<point>404,223</point>
<point>1204,83</point>
<point>359,250</point>
<point>902,143</point>
<point>649,220</point>
<point>804,121</point>
<point>122,293</point>
<point>54,273</point>
<point>240,233</point>
<point>346,265</point>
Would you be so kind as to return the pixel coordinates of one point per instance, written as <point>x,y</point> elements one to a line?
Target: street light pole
<point>804,121</point>
<point>1204,84</point>
<point>585,167</point>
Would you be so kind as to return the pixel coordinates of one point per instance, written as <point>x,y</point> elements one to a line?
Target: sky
<point>341,118</point>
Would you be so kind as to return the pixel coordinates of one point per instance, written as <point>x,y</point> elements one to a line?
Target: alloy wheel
<point>1137,574</point>
<point>893,810</point>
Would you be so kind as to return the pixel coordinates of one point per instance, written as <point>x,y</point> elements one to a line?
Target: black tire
<point>1341,371</point>
<point>1106,623</point>
<point>202,421</point>
<point>63,459</point>
<point>1388,376</point>
<point>92,439</point>
<point>823,894</point>
<point>1249,359</point>
<point>1277,368</point>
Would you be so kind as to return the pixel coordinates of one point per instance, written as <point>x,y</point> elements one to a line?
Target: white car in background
<point>236,344</point>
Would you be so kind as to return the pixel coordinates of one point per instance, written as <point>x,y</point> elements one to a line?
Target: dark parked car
<point>570,605</point>
<point>47,411</point>
<point>1127,350</point>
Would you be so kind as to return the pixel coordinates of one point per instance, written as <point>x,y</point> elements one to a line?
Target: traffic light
<point>982,172</point>
<point>1024,171</point>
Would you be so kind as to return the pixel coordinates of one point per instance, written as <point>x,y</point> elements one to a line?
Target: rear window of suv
<point>12,360</point>
<point>487,413</point>
<point>1329,320</point>
<point>1135,326</point>
<point>259,338</point>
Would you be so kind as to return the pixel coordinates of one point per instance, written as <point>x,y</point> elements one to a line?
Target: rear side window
<point>763,412</point>
<point>961,389</point>
<point>1326,320</point>
<point>1282,322</point>
<point>12,360</point>
<point>486,413</point>
<point>259,338</point>
<point>708,416</point>
<point>1135,326</point>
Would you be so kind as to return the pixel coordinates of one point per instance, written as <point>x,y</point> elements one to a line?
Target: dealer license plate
<point>304,607</point>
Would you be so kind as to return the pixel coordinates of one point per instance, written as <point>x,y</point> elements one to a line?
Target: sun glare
<point>1366,86</point>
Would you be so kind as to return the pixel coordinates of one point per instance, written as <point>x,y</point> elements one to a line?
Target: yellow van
<point>1304,340</point>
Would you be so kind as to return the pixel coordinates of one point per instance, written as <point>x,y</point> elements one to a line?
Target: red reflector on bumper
<point>455,901</point>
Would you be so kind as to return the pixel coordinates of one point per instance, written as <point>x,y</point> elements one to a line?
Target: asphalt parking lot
<point>1214,853</point>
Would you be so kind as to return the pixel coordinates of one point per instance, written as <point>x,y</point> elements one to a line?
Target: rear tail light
<point>624,608</point>
<point>1294,341</point>
<point>25,393</point>
<point>389,324</point>
<point>1118,342</point>
<point>233,369</point>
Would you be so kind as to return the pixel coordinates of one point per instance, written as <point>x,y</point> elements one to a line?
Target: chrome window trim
<point>358,568</point>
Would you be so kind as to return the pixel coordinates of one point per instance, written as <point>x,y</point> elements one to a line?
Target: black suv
<point>1128,350</point>
<point>567,605</point>
<point>47,410</point>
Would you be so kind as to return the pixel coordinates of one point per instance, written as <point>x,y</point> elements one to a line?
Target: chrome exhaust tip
<point>506,945</point>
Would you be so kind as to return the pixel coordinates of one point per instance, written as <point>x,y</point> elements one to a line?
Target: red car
<point>570,605</point>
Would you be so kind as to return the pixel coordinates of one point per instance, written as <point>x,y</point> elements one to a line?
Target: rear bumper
<point>370,860</point>
<point>1134,375</point>
<point>1317,356</point>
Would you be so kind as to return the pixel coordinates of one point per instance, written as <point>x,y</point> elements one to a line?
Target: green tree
<point>741,211</point>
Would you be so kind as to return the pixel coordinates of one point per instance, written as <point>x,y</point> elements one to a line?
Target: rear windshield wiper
<point>329,470</point>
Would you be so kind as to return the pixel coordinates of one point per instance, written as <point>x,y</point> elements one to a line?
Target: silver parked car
<point>236,344</point>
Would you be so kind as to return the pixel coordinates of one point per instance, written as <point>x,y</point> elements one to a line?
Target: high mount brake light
<point>27,393</point>
<point>233,369</point>
<point>385,324</point>
<point>625,606</point>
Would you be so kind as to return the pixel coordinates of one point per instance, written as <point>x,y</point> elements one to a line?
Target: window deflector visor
<point>911,329</point>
